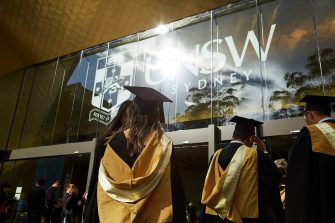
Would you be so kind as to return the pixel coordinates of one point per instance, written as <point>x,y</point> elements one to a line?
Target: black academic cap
<point>146,99</point>
<point>245,126</point>
<point>318,103</point>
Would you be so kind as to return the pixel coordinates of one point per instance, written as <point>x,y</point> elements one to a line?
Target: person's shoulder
<point>304,131</point>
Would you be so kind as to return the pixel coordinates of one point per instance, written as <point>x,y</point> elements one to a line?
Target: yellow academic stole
<point>233,193</point>
<point>138,194</point>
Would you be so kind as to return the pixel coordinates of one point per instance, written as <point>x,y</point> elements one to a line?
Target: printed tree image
<point>224,104</point>
<point>285,102</point>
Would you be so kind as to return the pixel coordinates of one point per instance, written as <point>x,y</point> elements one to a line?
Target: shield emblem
<point>112,73</point>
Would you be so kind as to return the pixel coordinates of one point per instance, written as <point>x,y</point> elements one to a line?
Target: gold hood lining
<point>149,182</point>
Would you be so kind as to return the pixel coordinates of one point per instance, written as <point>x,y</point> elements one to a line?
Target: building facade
<point>252,58</point>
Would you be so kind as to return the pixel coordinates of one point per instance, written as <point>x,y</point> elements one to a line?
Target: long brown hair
<point>117,123</point>
<point>140,125</point>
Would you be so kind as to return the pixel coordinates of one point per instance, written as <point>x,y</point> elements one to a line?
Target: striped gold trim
<point>230,183</point>
<point>219,190</point>
<point>328,132</point>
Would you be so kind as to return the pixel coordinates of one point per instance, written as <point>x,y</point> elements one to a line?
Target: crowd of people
<point>134,160</point>
<point>43,206</point>
<point>135,176</point>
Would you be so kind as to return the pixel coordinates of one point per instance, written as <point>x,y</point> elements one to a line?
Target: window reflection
<point>23,174</point>
<point>38,105</point>
<point>293,70</point>
<point>326,30</point>
<point>253,61</point>
<point>9,94</point>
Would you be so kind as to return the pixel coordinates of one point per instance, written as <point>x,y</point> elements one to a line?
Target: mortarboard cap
<point>318,103</point>
<point>245,126</point>
<point>147,98</point>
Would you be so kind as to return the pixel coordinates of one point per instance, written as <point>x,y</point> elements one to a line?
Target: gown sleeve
<point>178,195</point>
<point>90,214</point>
<point>299,180</point>
<point>91,208</point>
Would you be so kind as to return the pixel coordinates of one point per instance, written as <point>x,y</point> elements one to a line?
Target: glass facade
<point>22,175</point>
<point>249,59</point>
<point>253,58</point>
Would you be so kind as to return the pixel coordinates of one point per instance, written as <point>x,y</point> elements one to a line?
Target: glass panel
<point>38,106</point>
<point>52,112</point>
<point>21,110</point>
<point>89,116</point>
<point>237,79</point>
<point>10,87</point>
<point>193,163</point>
<point>326,29</point>
<point>67,104</point>
<point>76,170</point>
<point>23,174</point>
<point>7,171</point>
<point>114,71</point>
<point>286,69</point>
<point>178,65</point>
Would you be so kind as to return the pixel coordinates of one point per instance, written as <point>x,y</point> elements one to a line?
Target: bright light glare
<point>162,29</point>
<point>169,62</point>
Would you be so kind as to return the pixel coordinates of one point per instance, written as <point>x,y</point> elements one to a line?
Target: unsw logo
<point>112,73</point>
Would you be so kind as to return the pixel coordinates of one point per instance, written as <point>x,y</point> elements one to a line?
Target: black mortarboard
<point>147,98</point>
<point>245,126</point>
<point>318,103</point>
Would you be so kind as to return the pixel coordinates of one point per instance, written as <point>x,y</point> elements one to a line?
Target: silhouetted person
<point>282,169</point>
<point>35,202</point>
<point>5,201</point>
<point>51,202</point>
<point>192,213</point>
<point>240,185</point>
<point>310,183</point>
<point>70,204</point>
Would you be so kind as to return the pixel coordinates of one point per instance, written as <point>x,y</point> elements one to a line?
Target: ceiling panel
<point>39,30</point>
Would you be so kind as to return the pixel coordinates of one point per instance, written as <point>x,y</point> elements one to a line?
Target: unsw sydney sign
<point>108,92</point>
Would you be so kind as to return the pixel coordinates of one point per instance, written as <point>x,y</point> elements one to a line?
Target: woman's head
<point>144,115</point>
<point>118,121</point>
<point>72,189</point>
<point>140,125</point>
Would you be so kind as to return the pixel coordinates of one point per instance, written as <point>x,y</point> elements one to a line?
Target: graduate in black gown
<point>310,183</point>
<point>242,182</point>
<point>146,107</point>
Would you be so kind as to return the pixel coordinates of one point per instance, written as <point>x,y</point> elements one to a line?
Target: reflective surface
<point>25,173</point>
<point>251,60</point>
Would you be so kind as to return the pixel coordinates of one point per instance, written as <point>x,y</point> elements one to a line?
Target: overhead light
<point>161,29</point>
<point>75,152</point>
<point>186,142</point>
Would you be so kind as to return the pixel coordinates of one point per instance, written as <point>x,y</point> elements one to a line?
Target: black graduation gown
<point>119,144</point>
<point>270,206</point>
<point>310,183</point>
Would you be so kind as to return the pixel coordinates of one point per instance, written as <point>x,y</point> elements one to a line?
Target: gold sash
<point>138,194</point>
<point>233,193</point>
<point>323,138</point>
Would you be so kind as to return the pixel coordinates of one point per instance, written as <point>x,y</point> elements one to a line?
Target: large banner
<point>244,66</point>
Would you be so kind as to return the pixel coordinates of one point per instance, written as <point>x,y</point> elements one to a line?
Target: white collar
<point>325,119</point>
<point>236,141</point>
